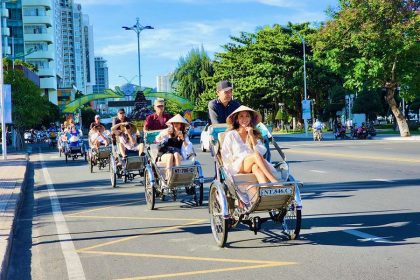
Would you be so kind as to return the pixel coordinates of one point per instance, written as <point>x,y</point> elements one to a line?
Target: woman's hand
<point>249,129</point>
<point>180,136</point>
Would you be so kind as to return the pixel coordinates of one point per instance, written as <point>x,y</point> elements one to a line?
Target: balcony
<point>49,83</point>
<point>49,54</point>
<point>47,20</point>
<point>37,3</point>
<point>46,72</point>
<point>5,13</point>
<point>5,31</point>
<point>39,37</point>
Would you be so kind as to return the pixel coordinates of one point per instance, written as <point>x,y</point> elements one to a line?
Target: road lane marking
<point>100,208</point>
<point>73,263</point>
<point>132,218</point>
<point>201,272</point>
<point>358,157</point>
<point>257,263</point>
<point>367,237</point>
<point>139,235</point>
<point>188,258</point>
<point>383,180</point>
<point>318,171</point>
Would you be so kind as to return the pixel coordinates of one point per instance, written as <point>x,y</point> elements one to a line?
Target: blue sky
<point>181,25</point>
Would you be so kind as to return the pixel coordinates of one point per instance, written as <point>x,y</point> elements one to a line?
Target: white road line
<point>367,237</point>
<point>383,180</point>
<point>318,171</point>
<point>73,263</point>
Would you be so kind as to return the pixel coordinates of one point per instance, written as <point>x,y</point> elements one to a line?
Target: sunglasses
<point>160,106</point>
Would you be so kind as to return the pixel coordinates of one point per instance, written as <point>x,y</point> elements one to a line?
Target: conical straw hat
<point>177,119</point>
<point>254,114</point>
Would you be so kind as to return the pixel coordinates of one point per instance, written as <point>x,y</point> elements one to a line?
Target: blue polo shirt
<point>218,113</point>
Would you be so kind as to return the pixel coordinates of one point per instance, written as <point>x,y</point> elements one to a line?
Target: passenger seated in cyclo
<point>98,137</point>
<point>174,145</point>
<point>242,152</point>
<point>73,136</point>
<point>127,140</point>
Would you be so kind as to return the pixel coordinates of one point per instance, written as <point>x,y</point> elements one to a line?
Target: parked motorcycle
<point>360,132</point>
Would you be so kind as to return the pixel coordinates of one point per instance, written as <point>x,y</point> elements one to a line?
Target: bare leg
<point>141,148</point>
<point>122,149</point>
<point>169,160</point>
<point>178,159</point>
<point>257,159</point>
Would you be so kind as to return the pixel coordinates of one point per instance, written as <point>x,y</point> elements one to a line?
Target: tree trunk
<point>402,123</point>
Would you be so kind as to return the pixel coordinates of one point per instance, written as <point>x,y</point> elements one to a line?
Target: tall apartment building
<point>78,55</point>
<point>55,36</point>
<point>164,83</point>
<point>101,82</point>
<point>29,33</point>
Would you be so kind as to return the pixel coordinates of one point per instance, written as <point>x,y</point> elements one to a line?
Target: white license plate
<point>279,191</point>
<point>184,170</point>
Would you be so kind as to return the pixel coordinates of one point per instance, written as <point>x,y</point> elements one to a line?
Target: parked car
<point>204,139</point>
<point>196,128</point>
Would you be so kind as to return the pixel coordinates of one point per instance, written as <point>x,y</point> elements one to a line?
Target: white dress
<point>234,150</point>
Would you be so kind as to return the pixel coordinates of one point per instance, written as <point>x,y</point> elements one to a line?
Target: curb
<point>18,203</point>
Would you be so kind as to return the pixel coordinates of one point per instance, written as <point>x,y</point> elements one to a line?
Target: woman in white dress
<point>243,150</point>
<point>174,143</point>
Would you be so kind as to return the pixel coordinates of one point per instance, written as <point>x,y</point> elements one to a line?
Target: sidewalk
<point>330,136</point>
<point>12,179</point>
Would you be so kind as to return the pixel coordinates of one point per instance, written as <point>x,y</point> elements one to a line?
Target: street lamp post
<point>304,74</point>
<point>138,28</point>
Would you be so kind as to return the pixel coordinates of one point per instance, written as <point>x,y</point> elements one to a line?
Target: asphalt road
<point>361,220</point>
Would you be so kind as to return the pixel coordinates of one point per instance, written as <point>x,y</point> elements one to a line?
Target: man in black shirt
<point>224,105</point>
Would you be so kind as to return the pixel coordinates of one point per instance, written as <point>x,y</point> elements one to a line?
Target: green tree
<point>266,68</point>
<point>374,44</point>
<point>190,76</point>
<point>88,116</point>
<point>29,106</point>
<point>369,103</point>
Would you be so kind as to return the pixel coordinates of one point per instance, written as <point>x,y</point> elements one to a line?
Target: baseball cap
<point>159,101</point>
<point>97,117</point>
<point>223,85</point>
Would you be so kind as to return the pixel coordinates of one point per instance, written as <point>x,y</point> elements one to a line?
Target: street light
<point>138,28</point>
<point>304,74</point>
<point>128,81</point>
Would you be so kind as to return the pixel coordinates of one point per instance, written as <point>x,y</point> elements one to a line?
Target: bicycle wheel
<point>292,222</point>
<point>149,192</point>
<point>219,225</point>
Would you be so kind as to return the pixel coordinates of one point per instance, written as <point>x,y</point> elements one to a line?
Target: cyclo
<point>188,176</point>
<point>125,168</point>
<point>99,156</point>
<point>280,200</point>
<point>74,148</point>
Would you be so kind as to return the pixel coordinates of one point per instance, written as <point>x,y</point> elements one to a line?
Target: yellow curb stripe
<point>201,272</point>
<point>261,262</point>
<point>130,218</point>
<point>101,208</point>
<point>139,235</point>
<point>359,157</point>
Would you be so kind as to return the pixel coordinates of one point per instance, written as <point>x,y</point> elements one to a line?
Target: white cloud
<point>176,40</point>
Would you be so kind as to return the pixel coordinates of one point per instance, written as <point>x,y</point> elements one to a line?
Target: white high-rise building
<point>164,83</point>
<point>78,54</point>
